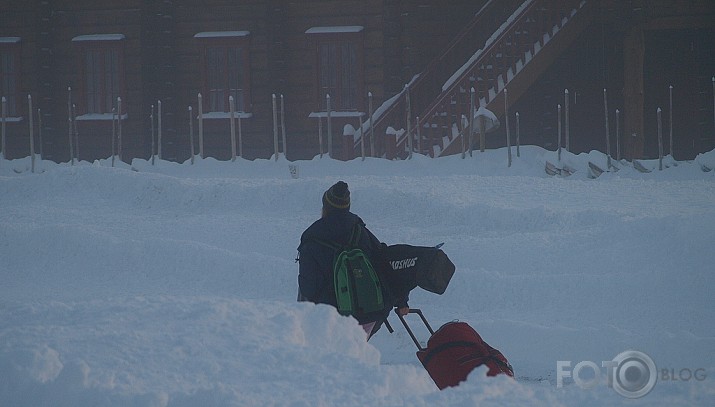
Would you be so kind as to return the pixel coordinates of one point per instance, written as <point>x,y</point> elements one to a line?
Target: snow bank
<point>175,285</point>
<point>188,351</point>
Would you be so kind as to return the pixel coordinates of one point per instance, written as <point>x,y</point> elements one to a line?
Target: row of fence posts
<point>566,129</point>
<point>117,118</point>
<point>73,134</point>
<point>618,127</point>
<point>476,123</point>
<point>472,126</point>
<point>359,130</point>
<point>233,115</point>
<point>116,142</point>
<point>566,143</point>
<point>236,145</point>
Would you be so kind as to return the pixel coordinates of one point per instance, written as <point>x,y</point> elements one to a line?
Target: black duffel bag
<point>412,266</point>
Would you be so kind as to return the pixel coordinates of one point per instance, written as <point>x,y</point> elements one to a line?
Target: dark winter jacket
<point>315,278</point>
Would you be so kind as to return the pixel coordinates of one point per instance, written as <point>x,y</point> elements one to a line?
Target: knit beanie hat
<point>337,197</point>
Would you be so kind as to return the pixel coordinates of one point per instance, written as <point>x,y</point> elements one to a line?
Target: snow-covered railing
<point>424,87</point>
<point>505,52</point>
<point>503,56</point>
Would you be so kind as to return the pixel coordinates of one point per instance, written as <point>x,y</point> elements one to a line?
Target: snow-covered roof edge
<point>335,29</point>
<point>99,37</point>
<point>221,34</point>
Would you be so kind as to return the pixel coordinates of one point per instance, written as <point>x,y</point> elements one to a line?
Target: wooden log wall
<point>162,61</point>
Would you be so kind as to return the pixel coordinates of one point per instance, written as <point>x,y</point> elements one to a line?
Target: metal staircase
<point>431,115</point>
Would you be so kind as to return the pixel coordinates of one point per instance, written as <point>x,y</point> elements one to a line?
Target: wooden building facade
<point>77,58</point>
<point>146,51</point>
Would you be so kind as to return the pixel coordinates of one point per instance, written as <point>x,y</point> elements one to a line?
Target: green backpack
<point>358,289</point>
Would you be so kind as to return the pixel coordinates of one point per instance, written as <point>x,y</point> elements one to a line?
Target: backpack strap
<point>355,235</point>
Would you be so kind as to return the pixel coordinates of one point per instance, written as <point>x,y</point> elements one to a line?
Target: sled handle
<point>407,327</point>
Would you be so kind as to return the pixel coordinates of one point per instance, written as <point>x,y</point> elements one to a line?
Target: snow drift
<point>175,285</point>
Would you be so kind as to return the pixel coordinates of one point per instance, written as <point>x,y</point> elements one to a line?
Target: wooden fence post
<point>320,135</point>
<point>618,135</point>
<point>32,137</point>
<point>362,138</point>
<point>670,121</point>
<point>558,147</point>
<point>608,133</point>
<point>283,129</point>
<point>69,123</point>
<point>240,137</point>
<point>419,135</point>
<point>330,126</point>
<point>191,134</point>
<point>372,133</point>
<point>39,131</point>
<point>2,129</point>
<point>119,127</point>
<point>471,121</point>
<point>567,134</point>
<point>275,127</point>
<point>409,122</point>
<point>201,126</point>
<point>232,120</point>
<point>158,120</point>
<point>518,139</point>
<point>482,132</point>
<point>114,133</point>
<point>506,119</point>
<point>75,130</point>
<point>153,144</point>
<point>660,142</point>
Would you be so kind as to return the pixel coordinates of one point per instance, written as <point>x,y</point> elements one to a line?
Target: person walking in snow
<point>315,276</point>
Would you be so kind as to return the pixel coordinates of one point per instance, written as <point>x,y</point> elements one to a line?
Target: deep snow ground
<point>174,285</point>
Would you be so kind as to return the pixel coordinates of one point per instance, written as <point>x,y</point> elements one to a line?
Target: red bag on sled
<point>454,350</point>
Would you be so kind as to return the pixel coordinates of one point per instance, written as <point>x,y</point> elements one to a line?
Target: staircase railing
<point>425,86</point>
<point>488,70</point>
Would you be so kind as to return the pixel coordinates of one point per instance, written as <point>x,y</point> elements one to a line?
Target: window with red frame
<point>101,67</point>
<point>225,70</point>
<point>10,73</point>
<point>339,66</point>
